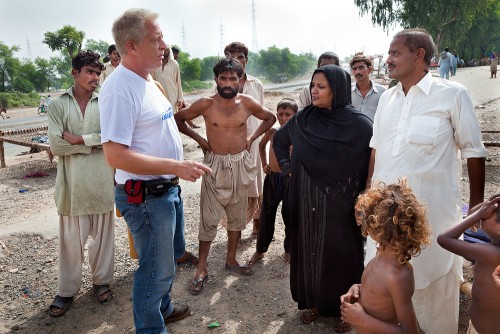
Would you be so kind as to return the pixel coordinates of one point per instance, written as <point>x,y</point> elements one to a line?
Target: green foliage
<point>100,46</point>
<point>207,66</point>
<point>68,40</point>
<point>190,68</point>
<point>447,21</point>
<point>16,99</point>
<point>274,61</point>
<point>189,86</point>
<point>9,65</point>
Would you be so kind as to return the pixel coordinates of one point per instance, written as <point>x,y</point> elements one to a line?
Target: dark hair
<point>111,48</point>
<point>228,64</point>
<point>86,58</point>
<point>418,38</point>
<point>236,47</point>
<point>360,57</point>
<point>175,50</point>
<point>329,55</point>
<point>288,103</point>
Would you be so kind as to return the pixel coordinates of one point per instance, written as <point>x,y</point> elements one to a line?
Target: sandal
<point>245,270</point>
<point>103,293</point>
<point>309,316</point>
<point>194,284</point>
<point>59,306</point>
<point>188,258</point>
<point>340,326</point>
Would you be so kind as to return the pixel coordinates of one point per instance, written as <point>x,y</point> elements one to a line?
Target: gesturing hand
<point>191,170</point>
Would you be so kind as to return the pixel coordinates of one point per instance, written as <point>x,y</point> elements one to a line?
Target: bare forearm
<point>476,170</point>
<point>134,162</point>
<point>263,127</point>
<point>371,166</point>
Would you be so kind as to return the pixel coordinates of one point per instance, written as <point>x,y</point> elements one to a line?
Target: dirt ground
<point>258,304</point>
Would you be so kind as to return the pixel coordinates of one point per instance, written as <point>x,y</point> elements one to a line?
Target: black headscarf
<point>332,144</point>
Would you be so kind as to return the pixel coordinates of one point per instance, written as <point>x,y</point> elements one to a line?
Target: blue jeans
<point>157,226</point>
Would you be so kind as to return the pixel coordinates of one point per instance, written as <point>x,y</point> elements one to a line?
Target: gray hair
<point>131,27</point>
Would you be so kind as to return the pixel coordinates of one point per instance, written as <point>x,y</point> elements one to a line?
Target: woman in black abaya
<point>328,169</point>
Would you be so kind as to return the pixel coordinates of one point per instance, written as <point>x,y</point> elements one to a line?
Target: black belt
<point>157,186</point>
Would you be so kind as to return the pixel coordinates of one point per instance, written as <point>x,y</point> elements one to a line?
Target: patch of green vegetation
<point>189,86</point>
<point>17,100</point>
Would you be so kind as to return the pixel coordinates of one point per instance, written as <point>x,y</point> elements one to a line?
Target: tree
<point>100,46</point>
<point>207,66</point>
<point>68,40</point>
<point>9,65</point>
<point>435,16</point>
<point>190,68</point>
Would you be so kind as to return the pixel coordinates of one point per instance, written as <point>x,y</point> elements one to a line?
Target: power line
<point>184,38</point>
<point>254,29</point>
<point>28,47</point>
<point>221,35</point>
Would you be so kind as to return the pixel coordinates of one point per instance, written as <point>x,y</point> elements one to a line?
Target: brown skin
<point>485,307</point>
<point>382,302</point>
<point>361,73</point>
<point>226,126</point>
<point>86,82</point>
<point>283,115</point>
<point>141,58</point>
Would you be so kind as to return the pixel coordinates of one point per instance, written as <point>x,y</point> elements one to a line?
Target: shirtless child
<point>392,216</point>
<point>485,307</point>
<point>226,148</point>
<point>275,188</point>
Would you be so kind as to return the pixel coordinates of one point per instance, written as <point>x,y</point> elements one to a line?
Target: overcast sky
<point>302,26</point>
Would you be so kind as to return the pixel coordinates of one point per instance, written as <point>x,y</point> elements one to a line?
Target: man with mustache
<point>422,129</point>
<point>364,92</point>
<point>84,190</point>
<point>226,150</point>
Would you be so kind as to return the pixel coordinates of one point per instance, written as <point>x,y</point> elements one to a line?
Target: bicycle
<point>42,110</point>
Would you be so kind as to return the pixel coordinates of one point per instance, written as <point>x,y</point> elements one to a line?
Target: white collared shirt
<point>419,136</point>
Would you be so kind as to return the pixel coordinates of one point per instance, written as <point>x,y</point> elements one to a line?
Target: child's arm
<point>401,289</point>
<point>262,149</point>
<point>352,295</point>
<point>449,239</point>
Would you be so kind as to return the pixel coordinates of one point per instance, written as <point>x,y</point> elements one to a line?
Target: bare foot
<point>256,257</point>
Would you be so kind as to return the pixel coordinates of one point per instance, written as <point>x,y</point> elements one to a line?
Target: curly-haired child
<point>392,216</point>
<point>485,306</point>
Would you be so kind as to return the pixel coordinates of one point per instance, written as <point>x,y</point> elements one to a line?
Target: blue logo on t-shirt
<point>168,114</point>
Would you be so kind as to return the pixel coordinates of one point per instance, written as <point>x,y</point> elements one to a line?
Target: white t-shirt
<point>135,113</point>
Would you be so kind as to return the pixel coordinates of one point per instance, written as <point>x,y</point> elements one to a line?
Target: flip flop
<point>193,284</point>
<point>308,316</point>
<point>190,259</point>
<point>62,303</point>
<point>103,293</point>
<point>245,270</point>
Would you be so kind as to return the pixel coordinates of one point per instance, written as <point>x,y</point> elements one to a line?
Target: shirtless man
<point>234,168</point>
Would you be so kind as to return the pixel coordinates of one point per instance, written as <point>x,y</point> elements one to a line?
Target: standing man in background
<point>175,51</point>
<point>84,186</point>
<point>364,92</point>
<point>141,140</point>
<point>422,126</point>
<point>326,58</point>
<point>114,61</point>
<point>252,86</point>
